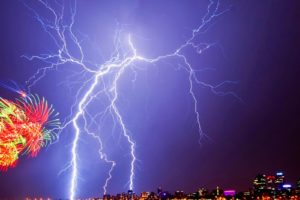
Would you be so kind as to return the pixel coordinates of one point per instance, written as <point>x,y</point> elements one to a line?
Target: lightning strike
<point>112,70</point>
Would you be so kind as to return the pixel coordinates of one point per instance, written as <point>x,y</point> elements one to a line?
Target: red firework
<point>23,128</point>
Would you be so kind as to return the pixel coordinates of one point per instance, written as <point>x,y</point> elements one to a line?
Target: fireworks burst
<point>24,128</point>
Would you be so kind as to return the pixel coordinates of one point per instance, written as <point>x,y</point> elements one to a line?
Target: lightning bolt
<point>106,76</point>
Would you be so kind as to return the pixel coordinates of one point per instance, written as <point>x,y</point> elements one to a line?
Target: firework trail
<point>24,128</point>
<point>14,87</point>
<point>103,78</point>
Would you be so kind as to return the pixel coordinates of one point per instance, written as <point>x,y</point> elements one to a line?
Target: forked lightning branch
<point>107,76</point>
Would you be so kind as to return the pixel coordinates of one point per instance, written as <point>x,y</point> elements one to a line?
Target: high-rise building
<point>286,190</point>
<point>260,182</point>
<point>130,194</point>
<point>297,188</point>
<point>145,195</point>
<point>260,185</point>
<point>159,190</point>
<point>106,197</point>
<point>202,192</point>
<point>279,179</point>
<point>270,180</point>
<point>217,192</point>
<point>271,186</point>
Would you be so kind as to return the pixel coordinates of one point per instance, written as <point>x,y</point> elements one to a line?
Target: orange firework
<point>24,128</point>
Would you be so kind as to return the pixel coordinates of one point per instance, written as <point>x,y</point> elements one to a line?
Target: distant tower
<point>297,190</point>
<point>217,192</point>
<point>202,192</point>
<point>260,184</point>
<point>271,182</point>
<point>159,190</point>
<point>130,194</point>
<point>279,180</point>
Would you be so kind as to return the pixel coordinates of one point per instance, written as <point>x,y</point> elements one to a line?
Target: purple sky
<point>258,46</point>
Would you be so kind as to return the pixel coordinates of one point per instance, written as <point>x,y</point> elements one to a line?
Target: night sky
<point>257,46</point>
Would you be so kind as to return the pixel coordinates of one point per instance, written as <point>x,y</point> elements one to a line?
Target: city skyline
<point>271,186</point>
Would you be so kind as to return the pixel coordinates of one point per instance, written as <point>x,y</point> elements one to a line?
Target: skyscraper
<point>260,184</point>
<point>279,179</point>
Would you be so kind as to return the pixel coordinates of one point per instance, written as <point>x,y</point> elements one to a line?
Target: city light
<point>279,173</point>
<point>229,192</point>
<point>287,186</point>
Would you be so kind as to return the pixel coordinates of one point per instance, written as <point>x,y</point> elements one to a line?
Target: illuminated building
<point>165,195</point>
<point>179,195</point>
<point>145,195</point>
<point>202,192</point>
<point>286,190</point>
<point>247,194</point>
<point>279,181</point>
<point>260,183</point>
<point>298,184</point>
<point>297,189</point>
<point>217,192</point>
<point>153,196</point>
<point>106,197</point>
<point>271,186</point>
<point>229,193</point>
<point>271,182</point>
